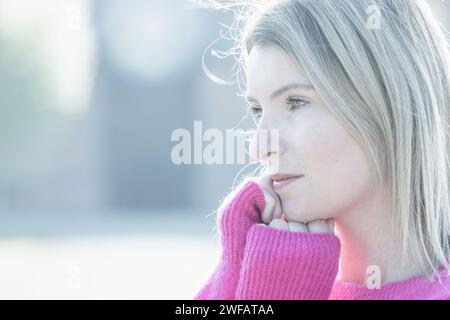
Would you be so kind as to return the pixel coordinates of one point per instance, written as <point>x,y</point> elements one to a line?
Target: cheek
<point>337,175</point>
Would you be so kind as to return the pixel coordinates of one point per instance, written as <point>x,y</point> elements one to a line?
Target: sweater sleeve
<point>237,215</point>
<point>286,265</point>
<point>222,283</point>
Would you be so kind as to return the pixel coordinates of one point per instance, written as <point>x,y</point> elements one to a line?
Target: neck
<point>367,240</point>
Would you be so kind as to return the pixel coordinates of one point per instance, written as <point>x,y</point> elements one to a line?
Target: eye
<point>256,111</point>
<point>296,103</point>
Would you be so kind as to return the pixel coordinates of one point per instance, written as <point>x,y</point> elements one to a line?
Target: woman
<point>359,91</point>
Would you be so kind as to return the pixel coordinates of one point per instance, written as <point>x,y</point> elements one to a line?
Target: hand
<point>273,209</point>
<point>316,226</point>
<point>238,212</point>
<point>274,218</point>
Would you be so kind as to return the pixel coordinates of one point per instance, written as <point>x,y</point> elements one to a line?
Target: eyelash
<point>257,111</point>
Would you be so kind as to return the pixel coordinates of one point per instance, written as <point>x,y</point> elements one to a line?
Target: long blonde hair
<point>383,69</point>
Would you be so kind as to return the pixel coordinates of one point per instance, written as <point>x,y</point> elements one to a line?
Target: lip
<point>279,181</point>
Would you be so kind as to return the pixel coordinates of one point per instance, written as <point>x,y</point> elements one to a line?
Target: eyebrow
<point>283,89</point>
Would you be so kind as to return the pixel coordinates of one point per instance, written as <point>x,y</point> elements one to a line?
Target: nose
<point>266,146</point>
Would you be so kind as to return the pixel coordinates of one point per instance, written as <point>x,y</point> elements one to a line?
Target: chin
<point>301,214</point>
<point>296,214</point>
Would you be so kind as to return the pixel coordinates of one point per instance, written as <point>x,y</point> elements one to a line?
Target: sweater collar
<point>417,287</point>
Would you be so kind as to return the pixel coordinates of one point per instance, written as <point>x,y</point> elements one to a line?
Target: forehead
<point>269,66</point>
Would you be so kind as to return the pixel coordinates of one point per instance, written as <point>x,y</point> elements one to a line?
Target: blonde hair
<point>382,67</point>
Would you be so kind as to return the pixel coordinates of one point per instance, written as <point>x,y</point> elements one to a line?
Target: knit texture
<point>283,265</point>
<point>239,211</point>
<point>263,263</point>
<point>414,288</point>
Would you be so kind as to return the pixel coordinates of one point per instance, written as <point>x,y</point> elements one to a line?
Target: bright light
<point>150,39</point>
<point>60,35</point>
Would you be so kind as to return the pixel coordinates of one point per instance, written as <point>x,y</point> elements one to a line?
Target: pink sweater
<point>262,263</point>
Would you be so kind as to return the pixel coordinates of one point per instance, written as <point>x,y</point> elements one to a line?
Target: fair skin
<point>336,184</point>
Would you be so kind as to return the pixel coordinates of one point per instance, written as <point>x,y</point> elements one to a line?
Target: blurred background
<point>91,204</point>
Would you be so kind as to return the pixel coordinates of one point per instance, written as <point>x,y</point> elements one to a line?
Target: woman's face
<point>312,143</point>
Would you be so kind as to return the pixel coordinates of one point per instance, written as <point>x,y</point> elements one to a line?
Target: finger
<point>331,225</point>
<point>297,227</point>
<point>278,210</point>
<point>279,224</point>
<point>267,213</point>
<point>318,226</point>
<point>266,183</point>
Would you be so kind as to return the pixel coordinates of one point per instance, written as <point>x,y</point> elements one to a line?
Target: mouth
<point>279,181</point>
